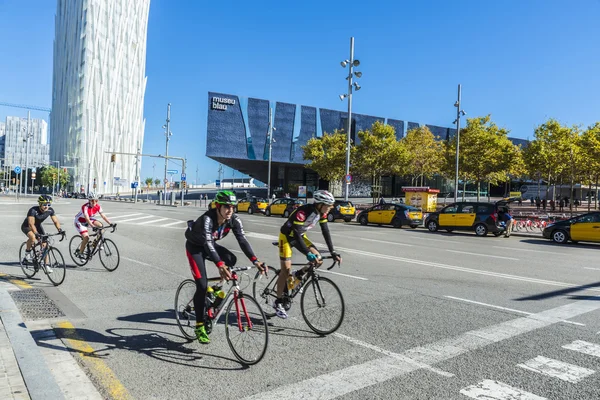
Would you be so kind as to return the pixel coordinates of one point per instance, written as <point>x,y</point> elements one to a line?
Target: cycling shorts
<point>286,243</point>
<point>82,227</point>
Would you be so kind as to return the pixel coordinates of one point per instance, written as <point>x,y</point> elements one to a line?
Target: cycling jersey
<point>38,216</point>
<point>300,221</point>
<point>90,211</point>
<point>205,231</point>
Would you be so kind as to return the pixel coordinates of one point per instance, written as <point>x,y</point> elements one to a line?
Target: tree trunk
<point>590,193</point>
<point>596,195</point>
<point>464,189</point>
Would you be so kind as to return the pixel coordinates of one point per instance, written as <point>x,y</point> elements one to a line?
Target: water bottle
<point>291,281</point>
<point>210,296</point>
<point>219,296</point>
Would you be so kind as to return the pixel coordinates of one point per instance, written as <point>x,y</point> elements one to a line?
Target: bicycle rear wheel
<point>184,308</point>
<point>55,266</point>
<point>109,255</point>
<point>246,329</point>
<point>322,305</point>
<point>27,266</point>
<point>264,290</point>
<point>74,244</point>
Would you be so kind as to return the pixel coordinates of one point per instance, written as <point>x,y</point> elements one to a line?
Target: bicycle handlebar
<point>99,228</point>
<point>48,235</point>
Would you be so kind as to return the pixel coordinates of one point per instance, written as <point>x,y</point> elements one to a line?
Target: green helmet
<point>226,197</point>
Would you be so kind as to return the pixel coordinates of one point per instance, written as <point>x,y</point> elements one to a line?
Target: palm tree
<point>156,182</point>
<point>148,182</point>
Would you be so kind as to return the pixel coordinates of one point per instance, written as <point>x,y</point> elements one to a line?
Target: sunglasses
<point>227,206</point>
<point>45,204</point>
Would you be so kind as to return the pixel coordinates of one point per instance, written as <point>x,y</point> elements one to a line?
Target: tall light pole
<point>27,136</point>
<point>351,63</point>
<point>270,138</point>
<point>168,135</point>
<point>459,113</point>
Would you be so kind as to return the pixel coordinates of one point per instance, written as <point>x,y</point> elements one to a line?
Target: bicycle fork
<point>241,301</point>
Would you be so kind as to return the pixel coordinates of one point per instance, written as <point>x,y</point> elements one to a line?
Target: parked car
<point>391,214</point>
<point>252,205</point>
<point>283,207</point>
<point>470,216</point>
<point>584,228</point>
<point>342,209</point>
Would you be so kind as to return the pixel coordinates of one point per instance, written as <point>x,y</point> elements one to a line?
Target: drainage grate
<point>34,304</point>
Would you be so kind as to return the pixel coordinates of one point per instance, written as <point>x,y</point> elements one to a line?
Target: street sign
<point>348,179</point>
<point>183,177</point>
<point>17,170</point>
<point>218,183</point>
<point>172,171</point>
<point>166,181</point>
<point>134,185</point>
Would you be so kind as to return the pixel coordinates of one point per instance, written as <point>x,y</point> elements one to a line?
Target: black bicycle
<point>105,248</point>
<point>45,257</point>
<point>246,326</point>
<point>321,301</point>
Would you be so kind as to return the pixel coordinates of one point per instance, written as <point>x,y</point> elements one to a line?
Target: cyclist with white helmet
<point>85,218</point>
<point>293,234</point>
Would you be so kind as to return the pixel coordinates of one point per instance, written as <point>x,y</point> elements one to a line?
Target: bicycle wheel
<point>184,308</point>
<point>27,266</point>
<point>109,255</point>
<point>74,244</point>
<point>322,305</point>
<point>264,290</point>
<point>55,266</point>
<point>246,329</point>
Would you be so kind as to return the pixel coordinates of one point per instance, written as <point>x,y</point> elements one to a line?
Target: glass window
<point>483,208</point>
<point>451,209</point>
<point>467,209</point>
<point>589,218</point>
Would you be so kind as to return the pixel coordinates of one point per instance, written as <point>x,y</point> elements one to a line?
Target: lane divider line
<point>15,281</point>
<point>482,255</point>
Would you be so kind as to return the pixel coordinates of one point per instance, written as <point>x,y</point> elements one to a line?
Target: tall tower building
<point>98,90</point>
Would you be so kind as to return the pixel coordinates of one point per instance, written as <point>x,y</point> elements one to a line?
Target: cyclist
<point>32,225</point>
<point>85,218</point>
<point>200,245</point>
<point>293,233</point>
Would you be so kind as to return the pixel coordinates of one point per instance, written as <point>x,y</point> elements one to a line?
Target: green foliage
<point>50,174</point>
<point>148,182</point>
<point>424,151</point>
<point>156,182</point>
<point>379,153</point>
<point>327,155</point>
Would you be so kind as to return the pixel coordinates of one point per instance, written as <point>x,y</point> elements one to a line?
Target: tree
<point>148,182</point>
<point>156,182</point>
<point>327,155</point>
<point>50,175</point>
<point>379,154</point>
<point>590,159</point>
<point>425,155</point>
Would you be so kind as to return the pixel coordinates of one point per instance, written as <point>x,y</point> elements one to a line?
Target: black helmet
<point>44,198</point>
<point>226,197</point>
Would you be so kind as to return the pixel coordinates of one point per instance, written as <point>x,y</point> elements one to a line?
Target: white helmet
<point>92,196</point>
<point>323,196</point>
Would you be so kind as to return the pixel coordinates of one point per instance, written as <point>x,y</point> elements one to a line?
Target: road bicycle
<point>321,301</point>
<point>105,248</point>
<point>246,326</point>
<point>45,257</point>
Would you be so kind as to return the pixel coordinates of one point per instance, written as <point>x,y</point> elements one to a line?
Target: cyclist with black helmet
<point>32,225</point>
<point>85,218</point>
<point>200,246</point>
<point>293,234</point>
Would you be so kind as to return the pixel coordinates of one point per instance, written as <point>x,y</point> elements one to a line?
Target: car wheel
<point>330,217</point>
<point>250,210</point>
<point>286,214</point>
<point>268,212</point>
<point>363,220</point>
<point>481,230</point>
<point>396,223</point>
<point>560,236</point>
<point>432,226</point>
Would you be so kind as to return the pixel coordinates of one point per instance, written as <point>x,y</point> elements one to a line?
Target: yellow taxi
<point>252,205</point>
<point>392,214</point>
<point>342,210</point>
<point>470,216</point>
<point>584,228</point>
<point>283,207</point>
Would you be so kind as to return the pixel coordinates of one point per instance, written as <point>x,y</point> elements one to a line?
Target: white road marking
<point>372,240</point>
<point>395,355</point>
<point>154,267</point>
<point>482,255</point>
<point>359,376</point>
<point>172,223</point>
<point>489,390</point>
<point>591,349</point>
<point>595,269</point>
<point>137,218</point>
<point>346,275</point>
<point>534,251</point>
<point>151,221</point>
<point>125,216</point>
<point>434,265</point>
<point>269,225</point>
<point>557,369</point>
<point>435,240</point>
<point>505,308</point>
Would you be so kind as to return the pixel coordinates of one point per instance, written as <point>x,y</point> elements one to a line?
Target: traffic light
<point>65,170</point>
<point>113,158</point>
<point>183,184</point>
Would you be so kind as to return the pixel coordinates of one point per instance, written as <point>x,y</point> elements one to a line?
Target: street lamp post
<point>351,63</point>
<point>26,140</point>
<point>459,113</point>
<point>270,134</point>
<point>168,135</point>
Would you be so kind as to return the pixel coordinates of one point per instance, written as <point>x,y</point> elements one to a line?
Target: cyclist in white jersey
<point>85,218</point>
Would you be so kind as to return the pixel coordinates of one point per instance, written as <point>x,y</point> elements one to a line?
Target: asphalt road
<point>444,316</point>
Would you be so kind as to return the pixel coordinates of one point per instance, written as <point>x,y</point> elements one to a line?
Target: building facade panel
<point>226,125</point>
<point>258,121</point>
<point>285,114</point>
<point>308,130</point>
<point>398,127</point>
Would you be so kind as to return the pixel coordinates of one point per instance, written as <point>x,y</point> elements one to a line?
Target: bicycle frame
<point>99,233</point>
<point>232,295</point>
<point>45,244</point>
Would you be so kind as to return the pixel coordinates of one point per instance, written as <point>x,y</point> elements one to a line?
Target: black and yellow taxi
<point>470,216</point>
<point>252,205</point>
<point>283,207</point>
<point>342,209</point>
<point>583,228</point>
<point>393,214</point>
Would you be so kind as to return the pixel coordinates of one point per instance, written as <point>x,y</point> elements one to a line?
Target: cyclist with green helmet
<point>200,246</point>
<point>32,225</point>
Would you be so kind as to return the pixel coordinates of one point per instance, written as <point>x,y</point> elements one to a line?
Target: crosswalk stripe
<point>489,389</point>
<point>153,220</point>
<point>125,216</point>
<point>581,346</point>
<point>172,223</point>
<point>557,369</point>
<point>136,218</point>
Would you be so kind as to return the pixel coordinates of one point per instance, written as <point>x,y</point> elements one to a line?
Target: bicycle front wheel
<point>55,266</point>
<point>74,244</point>
<point>264,290</point>
<point>109,255</point>
<point>184,308</point>
<point>322,305</point>
<point>27,266</point>
<point>246,329</point>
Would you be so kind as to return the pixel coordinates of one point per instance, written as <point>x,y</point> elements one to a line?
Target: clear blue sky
<point>521,61</point>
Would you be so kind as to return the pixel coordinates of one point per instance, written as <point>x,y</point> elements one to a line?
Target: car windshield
<point>261,201</point>
<point>344,203</point>
<point>411,208</point>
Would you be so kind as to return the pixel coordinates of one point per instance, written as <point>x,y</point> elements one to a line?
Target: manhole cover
<point>34,304</point>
